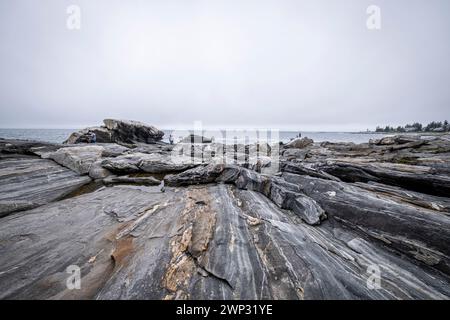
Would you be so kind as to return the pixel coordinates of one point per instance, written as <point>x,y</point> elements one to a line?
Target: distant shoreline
<point>422,133</point>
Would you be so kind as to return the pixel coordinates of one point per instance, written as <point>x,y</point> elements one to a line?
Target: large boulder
<point>78,159</point>
<point>299,143</point>
<point>133,131</point>
<point>102,134</point>
<point>150,163</point>
<point>118,131</point>
<point>96,171</point>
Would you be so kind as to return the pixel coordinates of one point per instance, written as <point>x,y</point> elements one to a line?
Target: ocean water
<point>59,135</point>
<point>45,135</point>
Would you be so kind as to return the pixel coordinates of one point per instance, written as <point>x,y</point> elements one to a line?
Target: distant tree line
<point>433,126</point>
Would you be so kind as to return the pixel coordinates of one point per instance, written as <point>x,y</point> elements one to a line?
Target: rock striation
<point>27,182</point>
<point>190,222</point>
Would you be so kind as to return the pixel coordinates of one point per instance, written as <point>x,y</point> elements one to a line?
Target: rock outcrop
<point>163,223</point>
<point>204,242</point>
<point>27,182</point>
<point>284,195</point>
<point>78,159</point>
<point>150,163</point>
<point>118,131</point>
<point>300,143</point>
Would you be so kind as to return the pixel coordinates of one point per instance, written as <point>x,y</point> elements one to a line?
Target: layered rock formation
<point>118,131</point>
<point>162,223</point>
<point>27,182</point>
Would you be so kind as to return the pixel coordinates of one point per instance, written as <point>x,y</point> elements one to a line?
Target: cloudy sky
<point>286,64</point>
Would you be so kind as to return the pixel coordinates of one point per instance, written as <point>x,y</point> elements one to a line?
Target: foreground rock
<point>218,228</point>
<point>150,163</point>
<point>118,131</point>
<point>380,217</point>
<point>421,234</point>
<point>206,242</point>
<point>27,182</point>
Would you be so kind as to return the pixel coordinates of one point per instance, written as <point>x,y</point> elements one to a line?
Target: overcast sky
<point>286,64</point>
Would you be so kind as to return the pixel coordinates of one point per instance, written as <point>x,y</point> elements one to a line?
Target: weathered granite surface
<point>150,163</point>
<point>317,229</point>
<point>78,159</point>
<point>27,182</point>
<point>204,242</point>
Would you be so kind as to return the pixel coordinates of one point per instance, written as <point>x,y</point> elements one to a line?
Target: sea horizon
<point>55,135</point>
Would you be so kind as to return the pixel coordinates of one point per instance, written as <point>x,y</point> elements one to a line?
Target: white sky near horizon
<point>286,64</point>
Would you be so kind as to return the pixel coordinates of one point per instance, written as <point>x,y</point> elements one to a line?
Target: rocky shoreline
<point>148,220</point>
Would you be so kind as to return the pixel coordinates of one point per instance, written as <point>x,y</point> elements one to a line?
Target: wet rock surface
<point>159,226</point>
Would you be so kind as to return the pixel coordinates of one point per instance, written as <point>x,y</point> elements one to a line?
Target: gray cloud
<point>287,64</point>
